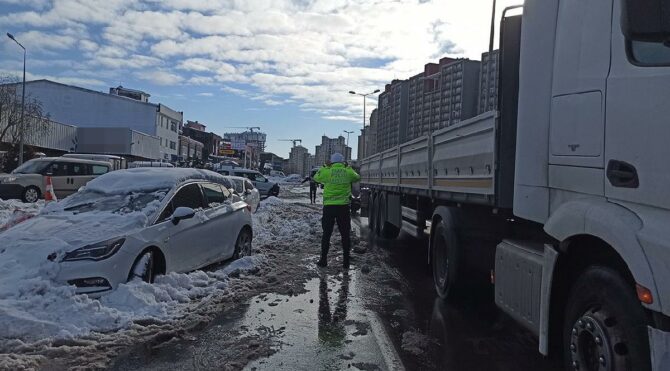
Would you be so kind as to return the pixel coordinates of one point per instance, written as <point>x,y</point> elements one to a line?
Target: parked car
<point>27,181</point>
<point>247,191</point>
<point>294,178</point>
<point>263,184</point>
<point>138,223</point>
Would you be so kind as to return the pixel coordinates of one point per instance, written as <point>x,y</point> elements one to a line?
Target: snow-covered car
<point>294,178</point>
<point>247,191</point>
<point>135,223</point>
<point>265,187</point>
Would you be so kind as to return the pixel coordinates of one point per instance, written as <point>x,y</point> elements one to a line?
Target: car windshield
<point>93,201</point>
<point>32,167</point>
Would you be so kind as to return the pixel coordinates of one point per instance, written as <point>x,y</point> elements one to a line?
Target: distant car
<point>117,162</point>
<point>294,178</point>
<point>27,181</point>
<point>247,191</point>
<point>263,184</point>
<point>138,223</point>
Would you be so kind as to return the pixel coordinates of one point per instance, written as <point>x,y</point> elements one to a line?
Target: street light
<point>348,132</point>
<point>23,98</point>
<point>364,96</point>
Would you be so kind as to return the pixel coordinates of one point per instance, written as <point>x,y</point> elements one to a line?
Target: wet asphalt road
<point>381,315</point>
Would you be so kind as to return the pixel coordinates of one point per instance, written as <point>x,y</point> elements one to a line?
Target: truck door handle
<point>622,174</point>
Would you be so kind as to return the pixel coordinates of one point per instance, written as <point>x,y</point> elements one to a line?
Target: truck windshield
<point>32,167</point>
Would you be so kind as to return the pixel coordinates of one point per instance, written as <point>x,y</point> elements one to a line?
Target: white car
<point>247,191</point>
<point>137,223</point>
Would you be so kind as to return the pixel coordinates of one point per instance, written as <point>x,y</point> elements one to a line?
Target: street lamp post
<point>348,132</point>
<point>364,97</point>
<point>23,98</point>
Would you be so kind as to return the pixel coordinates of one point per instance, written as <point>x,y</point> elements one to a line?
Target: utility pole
<point>364,97</point>
<point>23,99</point>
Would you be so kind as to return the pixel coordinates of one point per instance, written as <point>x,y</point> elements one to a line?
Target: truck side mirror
<point>646,20</point>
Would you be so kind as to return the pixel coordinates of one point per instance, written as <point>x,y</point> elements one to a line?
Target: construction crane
<point>291,140</point>
<point>250,128</point>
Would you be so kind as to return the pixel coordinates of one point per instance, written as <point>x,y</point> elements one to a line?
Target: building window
<point>173,126</point>
<point>173,145</point>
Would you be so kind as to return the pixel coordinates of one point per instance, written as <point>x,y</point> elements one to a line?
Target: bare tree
<point>36,123</point>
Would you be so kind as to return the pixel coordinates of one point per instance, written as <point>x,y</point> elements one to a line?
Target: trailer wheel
<point>372,214</point>
<point>444,258</point>
<point>604,327</point>
<point>386,229</point>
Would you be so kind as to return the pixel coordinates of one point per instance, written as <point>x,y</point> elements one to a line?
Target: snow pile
<point>149,179</point>
<point>14,211</point>
<point>41,309</point>
<point>278,221</point>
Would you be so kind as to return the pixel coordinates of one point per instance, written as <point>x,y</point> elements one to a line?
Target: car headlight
<point>98,251</point>
<point>8,179</point>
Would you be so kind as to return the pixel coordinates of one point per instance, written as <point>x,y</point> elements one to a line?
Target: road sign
<point>226,152</point>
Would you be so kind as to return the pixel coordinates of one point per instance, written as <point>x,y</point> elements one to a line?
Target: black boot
<point>322,263</point>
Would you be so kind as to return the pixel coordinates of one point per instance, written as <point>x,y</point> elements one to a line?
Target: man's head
<point>336,157</point>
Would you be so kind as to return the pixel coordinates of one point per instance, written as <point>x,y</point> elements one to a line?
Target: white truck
<point>560,197</point>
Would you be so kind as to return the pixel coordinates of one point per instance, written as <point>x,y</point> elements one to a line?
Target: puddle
<point>324,328</point>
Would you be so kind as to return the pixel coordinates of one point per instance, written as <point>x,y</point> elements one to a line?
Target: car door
<point>187,241</point>
<point>223,227</point>
<point>80,174</point>
<point>60,178</point>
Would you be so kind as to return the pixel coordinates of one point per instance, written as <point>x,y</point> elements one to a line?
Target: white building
<point>93,109</point>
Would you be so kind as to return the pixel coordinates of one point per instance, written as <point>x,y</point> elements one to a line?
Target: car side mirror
<point>646,20</point>
<point>247,191</point>
<point>182,213</point>
<point>265,180</point>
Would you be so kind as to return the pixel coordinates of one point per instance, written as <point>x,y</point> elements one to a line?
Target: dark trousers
<point>312,193</point>
<point>341,215</point>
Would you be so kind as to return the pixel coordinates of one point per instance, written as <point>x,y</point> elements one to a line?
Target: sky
<point>283,65</point>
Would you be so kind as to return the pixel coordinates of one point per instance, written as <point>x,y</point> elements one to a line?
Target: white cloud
<point>160,77</point>
<point>274,51</point>
<point>205,94</point>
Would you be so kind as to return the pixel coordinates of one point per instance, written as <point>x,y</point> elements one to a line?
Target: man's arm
<point>353,175</point>
<point>320,176</point>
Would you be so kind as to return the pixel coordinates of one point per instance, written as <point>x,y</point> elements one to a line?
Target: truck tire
<point>386,229</point>
<point>372,214</point>
<point>604,326</point>
<point>444,259</point>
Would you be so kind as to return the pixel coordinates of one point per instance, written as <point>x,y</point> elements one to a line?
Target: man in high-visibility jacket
<point>337,179</point>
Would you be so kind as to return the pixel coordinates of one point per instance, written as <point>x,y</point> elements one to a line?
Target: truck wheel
<point>386,229</point>
<point>444,257</point>
<point>372,215</point>
<point>605,327</point>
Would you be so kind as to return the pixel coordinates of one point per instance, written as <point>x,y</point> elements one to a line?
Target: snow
<point>14,211</point>
<point>149,179</point>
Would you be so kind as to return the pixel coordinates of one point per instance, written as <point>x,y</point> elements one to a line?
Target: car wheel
<point>605,327</point>
<point>31,194</point>
<point>243,244</point>
<point>144,267</point>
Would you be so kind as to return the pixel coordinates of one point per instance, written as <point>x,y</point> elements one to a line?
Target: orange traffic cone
<point>49,194</point>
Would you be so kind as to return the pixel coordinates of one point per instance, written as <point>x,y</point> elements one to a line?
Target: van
<point>117,162</point>
<point>27,182</point>
<point>263,184</point>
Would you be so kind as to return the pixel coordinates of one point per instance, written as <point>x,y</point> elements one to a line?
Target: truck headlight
<point>98,251</point>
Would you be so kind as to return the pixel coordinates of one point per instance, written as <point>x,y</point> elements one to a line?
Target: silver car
<point>27,181</point>
<point>138,223</point>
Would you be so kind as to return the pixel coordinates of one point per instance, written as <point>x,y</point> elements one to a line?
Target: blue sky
<point>283,65</point>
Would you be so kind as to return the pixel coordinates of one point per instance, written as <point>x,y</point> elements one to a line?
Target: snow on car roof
<point>149,178</point>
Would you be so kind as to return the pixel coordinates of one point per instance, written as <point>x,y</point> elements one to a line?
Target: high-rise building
<point>392,115</point>
<point>297,160</point>
<point>329,146</point>
<point>488,82</point>
<point>442,95</point>
<point>250,138</point>
<point>367,145</point>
